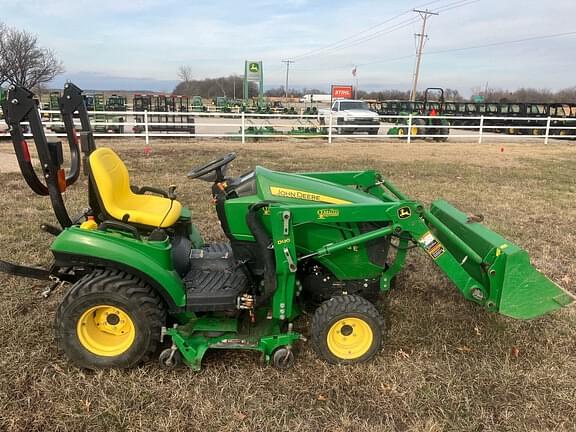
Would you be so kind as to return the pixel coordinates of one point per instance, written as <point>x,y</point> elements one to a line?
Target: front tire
<point>109,319</point>
<point>347,329</point>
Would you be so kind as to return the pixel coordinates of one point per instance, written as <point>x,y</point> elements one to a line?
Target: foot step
<point>214,290</point>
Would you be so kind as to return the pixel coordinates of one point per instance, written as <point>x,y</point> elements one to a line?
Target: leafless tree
<point>213,87</point>
<point>185,74</point>
<point>23,61</point>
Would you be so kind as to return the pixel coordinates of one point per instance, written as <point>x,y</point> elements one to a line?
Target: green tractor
<point>198,105</point>
<point>55,120</point>
<point>426,119</point>
<point>222,104</point>
<point>141,277</point>
<point>114,122</point>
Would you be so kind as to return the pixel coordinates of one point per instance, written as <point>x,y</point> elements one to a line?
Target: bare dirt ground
<point>8,163</point>
<point>446,365</point>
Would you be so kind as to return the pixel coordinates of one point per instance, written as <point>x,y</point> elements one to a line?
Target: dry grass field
<point>446,364</point>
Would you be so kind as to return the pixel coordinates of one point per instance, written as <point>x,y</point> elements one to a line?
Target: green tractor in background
<point>99,120</point>
<point>56,124</point>
<point>108,123</point>
<point>425,119</point>
<point>142,278</point>
<point>198,105</point>
<point>114,122</point>
<point>222,104</point>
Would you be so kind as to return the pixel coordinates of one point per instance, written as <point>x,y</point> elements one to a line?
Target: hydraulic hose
<point>263,240</point>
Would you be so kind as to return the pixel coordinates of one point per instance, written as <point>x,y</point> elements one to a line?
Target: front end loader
<point>140,276</point>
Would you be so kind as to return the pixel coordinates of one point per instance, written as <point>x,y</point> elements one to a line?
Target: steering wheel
<point>213,171</point>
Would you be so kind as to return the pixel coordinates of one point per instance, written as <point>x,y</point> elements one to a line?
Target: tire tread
<point>102,281</point>
<point>334,307</point>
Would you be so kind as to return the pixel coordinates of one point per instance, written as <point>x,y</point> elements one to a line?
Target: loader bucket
<point>510,284</point>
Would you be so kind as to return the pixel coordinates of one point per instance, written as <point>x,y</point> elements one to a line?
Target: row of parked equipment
<point>167,111</point>
<point>468,114</point>
<point>157,103</point>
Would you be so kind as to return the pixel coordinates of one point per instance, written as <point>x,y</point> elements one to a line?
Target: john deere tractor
<point>140,277</point>
<point>426,121</point>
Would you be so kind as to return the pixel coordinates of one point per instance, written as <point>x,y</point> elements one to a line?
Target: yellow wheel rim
<point>414,131</point>
<point>400,131</point>
<point>106,330</point>
<point>535,131</point>
<point>349,338</point>
<point>562,133</point>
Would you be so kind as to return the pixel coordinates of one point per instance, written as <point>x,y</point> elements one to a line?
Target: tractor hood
<point>278,186</point>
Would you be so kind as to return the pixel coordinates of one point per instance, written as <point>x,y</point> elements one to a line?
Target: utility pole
<point>287,71</point>
<point>424,14</point>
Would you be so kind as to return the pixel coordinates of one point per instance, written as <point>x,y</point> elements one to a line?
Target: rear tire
<point>109,319</point>
<point>347,329</point>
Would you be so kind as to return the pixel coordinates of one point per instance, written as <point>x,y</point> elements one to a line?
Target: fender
<point>150,260</point>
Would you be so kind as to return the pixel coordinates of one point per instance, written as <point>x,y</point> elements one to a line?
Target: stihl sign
<point>342,92</point>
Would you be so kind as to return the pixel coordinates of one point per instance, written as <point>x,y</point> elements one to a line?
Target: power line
<point>488,45</point>
<point>345,44</point>
<point>319,52</point>
<point>455,5</point>
<point>447,7</point>
<point>449,50</point>
<point>387,30</point>
<point>334,45</point>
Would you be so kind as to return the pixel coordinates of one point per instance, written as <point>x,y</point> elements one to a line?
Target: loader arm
<point>486,268</point>
<point>501,274</point>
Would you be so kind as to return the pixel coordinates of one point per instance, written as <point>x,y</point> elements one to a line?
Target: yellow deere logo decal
<point>254,67</point>
<point>326,213</point>
<point>307,196</point>
<point>404,212</point>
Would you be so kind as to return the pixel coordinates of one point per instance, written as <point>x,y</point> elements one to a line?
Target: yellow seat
<point>112,183</point>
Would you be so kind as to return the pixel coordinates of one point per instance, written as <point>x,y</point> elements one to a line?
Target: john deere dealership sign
<point>253,73</point>
<point>254,70</point>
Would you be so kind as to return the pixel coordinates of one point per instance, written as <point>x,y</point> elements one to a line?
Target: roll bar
<point>20,106</point>
<point>430,90</point>
<point>71,101</point>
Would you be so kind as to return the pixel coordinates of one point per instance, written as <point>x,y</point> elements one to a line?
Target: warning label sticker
<point>432,246</point>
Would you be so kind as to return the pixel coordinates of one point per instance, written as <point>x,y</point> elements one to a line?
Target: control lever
<point>172,192</point>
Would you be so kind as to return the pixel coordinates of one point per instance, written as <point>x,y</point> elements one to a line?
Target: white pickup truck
<point>354,115</point>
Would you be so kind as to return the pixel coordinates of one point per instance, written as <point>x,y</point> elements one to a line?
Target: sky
<point>140,44</point>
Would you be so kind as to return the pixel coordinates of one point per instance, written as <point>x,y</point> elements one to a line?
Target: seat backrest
<point>112,181</point>
<point>113,197</point>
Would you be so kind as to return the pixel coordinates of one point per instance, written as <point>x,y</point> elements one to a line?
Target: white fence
<point>246,126</point>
